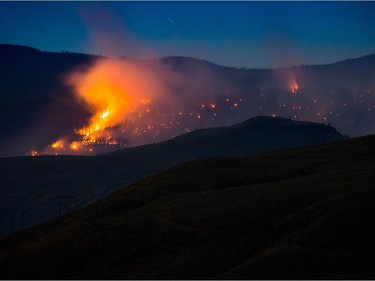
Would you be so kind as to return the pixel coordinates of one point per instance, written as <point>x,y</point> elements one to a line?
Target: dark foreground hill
<point>306,213</point>
<point>35,183</point>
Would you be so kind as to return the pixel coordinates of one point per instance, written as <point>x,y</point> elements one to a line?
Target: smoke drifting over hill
<point>132,103</point>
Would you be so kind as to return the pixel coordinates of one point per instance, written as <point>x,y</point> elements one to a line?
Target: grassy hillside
<point>298,214</point>
<point>33,183</point>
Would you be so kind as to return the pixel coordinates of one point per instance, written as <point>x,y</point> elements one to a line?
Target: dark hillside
<point>305,213</point>
<point>34,182</point>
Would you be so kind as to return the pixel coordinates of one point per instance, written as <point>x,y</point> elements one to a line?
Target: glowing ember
<point>75,145</point>
<point>58,144</point>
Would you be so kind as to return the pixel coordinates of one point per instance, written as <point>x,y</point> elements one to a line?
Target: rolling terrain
<point>303,213</point>
<point>33,184</point>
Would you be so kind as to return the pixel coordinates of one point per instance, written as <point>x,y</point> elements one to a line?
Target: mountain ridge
<point>15,47</point>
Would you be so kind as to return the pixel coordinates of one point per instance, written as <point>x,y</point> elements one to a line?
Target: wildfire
<point>119,94</point>
<point>114,90</point>
<point>293,86</point>
<point>132,104</point>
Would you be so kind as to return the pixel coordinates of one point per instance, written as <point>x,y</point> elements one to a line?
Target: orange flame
<point>113,89</point>
<point>293,86</point>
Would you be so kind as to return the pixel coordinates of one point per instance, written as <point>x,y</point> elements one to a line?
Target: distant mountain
<point>306,213</point>
<point>33,183</point>
<point>27,73</point>
<point>341,93</point>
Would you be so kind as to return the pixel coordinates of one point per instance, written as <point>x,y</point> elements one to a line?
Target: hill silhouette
<point>33,183</point>
<point>255,135</point>
<point>27,73</point>
<point>304,213</point>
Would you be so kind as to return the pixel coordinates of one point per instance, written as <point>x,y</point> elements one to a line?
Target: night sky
<point>250,34</point>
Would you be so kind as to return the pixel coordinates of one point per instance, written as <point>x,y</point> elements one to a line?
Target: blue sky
<point>251,34</point>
